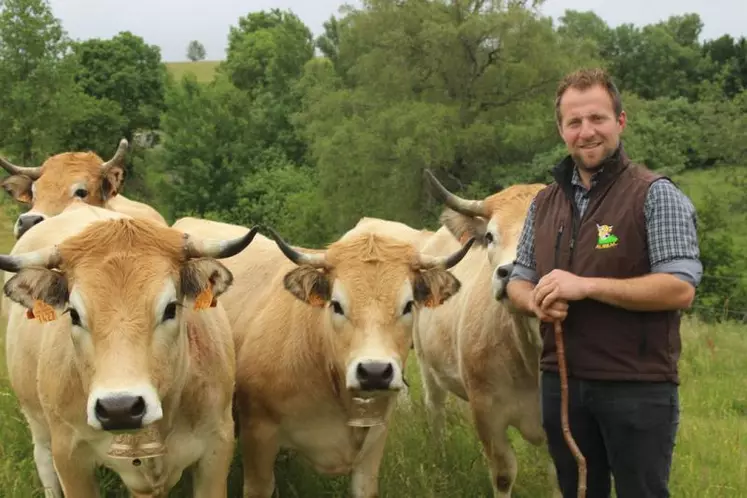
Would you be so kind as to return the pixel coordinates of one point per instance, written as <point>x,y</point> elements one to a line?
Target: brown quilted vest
<point>603,341</point>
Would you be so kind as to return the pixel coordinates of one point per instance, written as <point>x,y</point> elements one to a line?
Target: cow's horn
<point>426,262</point>
<point>298,257</point>
<point>32,172</point>
<point>218,248</point>
<point>118,156</point>
<point>458,204</point>
<point>47,258</point>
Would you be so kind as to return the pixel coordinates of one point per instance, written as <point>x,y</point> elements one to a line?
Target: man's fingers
<point>541,292</point>
<point>549,300</point>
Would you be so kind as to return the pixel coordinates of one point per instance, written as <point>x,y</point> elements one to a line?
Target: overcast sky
<point>171,24</point>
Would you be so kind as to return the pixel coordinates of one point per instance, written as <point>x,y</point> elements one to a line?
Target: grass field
<point>709,458</point>
<point>203,70</point>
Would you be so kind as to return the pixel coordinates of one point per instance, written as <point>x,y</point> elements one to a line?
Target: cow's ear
<point>434,286</point>
<point>112,182</point>
<point>43,292</point>
<point>19,188</point>
<point>203,280</point>
<point>464,227</point>
<point>309,285</point>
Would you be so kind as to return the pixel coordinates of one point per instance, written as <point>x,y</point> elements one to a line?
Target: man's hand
<point>557,311</point>
<point>559,285</point>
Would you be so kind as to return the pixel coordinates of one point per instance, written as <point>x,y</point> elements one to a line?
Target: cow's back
<point>395,229</point>
<point>122,204</point>
<point>253,268</point>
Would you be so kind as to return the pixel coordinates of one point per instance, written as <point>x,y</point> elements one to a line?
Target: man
<point>610,249</point>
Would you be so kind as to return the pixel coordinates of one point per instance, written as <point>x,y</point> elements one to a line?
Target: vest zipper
<point>557,245</point>
<point>574,232</point>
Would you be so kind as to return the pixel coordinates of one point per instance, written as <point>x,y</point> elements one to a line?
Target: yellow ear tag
<point>205,298</point>
<point>43,312</point>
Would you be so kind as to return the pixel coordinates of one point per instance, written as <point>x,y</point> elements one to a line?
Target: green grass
<point>709,458</point>
<point>203,70</point>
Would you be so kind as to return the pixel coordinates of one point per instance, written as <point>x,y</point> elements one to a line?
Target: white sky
<point>171,24</point>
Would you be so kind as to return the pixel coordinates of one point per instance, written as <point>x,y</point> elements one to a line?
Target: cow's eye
<point>81,192</point>
<point>337,308</point>
<point>169,313</point>
<point>408,308</point>
<point>74,317</point>
<point>489,238</point>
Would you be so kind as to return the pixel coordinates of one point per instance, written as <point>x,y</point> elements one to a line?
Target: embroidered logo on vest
<point>605,237</point>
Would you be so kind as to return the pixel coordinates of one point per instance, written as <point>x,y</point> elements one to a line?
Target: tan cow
<point>473,346</point>
<point>119,353</point>
<point>320,332</point>
<point>49,188</point>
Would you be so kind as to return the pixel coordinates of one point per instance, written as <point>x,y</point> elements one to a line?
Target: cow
<point>64,177</point>
<point>474,346</point>
<point>323,337</point>
<point>120,354</point>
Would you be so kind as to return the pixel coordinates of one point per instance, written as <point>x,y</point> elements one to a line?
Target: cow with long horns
<point>48,189</point>
<point>120,354</point>
<point>474,346</point>
<point>322,342</point>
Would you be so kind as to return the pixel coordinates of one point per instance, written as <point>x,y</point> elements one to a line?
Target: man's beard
<point>579,160</point>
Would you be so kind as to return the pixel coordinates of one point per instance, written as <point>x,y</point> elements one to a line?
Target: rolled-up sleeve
<point>525,265</point>
<point>671,228</point>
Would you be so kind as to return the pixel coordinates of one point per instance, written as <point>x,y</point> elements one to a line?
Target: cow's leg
<point>211,474</point>
<point>259,448</point>
<point>530,428</point>
<point>43,456</point>
<point>491,423</point>
<point>435,400</point>
<point>365,478</point>
<point>75,467</point>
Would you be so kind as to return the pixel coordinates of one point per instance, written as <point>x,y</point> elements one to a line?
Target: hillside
<point>204,70</point>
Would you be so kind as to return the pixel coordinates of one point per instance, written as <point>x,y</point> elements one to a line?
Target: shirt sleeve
<point>525,265</point>
<point>671,226</point>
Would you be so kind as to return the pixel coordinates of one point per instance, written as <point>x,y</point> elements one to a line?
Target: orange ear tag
<point>205,299</point>
<point>42,312</point>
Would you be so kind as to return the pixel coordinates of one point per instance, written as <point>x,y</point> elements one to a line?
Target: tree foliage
<point>195,51</point>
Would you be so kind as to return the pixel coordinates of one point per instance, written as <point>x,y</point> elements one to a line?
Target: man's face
<point>588,125</point>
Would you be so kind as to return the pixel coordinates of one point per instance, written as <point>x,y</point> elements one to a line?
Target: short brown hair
<point>584,79</point>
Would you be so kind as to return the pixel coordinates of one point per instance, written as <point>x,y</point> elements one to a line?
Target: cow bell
<point>137,445</point>
<point>369,411</point>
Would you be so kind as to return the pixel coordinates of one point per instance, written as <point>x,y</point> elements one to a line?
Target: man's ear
<point>465,227</point>
<point>203,280</point>
<point>19,188</point>
<point>112,182</point>
<point>32,287</point>
<point>308,284</point>
<point>433,287</point>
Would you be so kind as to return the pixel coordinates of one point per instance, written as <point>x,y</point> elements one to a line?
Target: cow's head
<point>122,290</point>
<point>48,189</point>
<point>371,288</point>
<point>495,222</point>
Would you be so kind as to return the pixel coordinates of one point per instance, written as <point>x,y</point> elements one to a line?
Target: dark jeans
<point>626,428</point>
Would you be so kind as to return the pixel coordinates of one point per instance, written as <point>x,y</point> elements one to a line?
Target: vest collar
<point>611,167</point>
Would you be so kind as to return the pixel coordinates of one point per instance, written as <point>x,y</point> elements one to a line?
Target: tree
<point>195,51</point>
<point>127,71</point>
<point>36,80</point>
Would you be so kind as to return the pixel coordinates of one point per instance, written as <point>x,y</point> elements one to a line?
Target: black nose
<point>374,375</point>
<point>120,413</point>
<point>26,221</point>
<point>504,271</point>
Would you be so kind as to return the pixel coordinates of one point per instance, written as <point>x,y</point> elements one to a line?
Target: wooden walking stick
<point>580,460</point>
